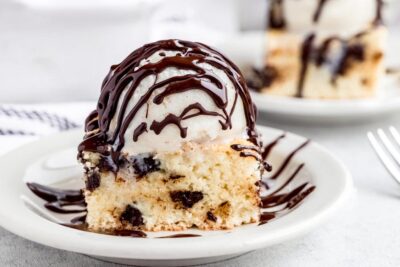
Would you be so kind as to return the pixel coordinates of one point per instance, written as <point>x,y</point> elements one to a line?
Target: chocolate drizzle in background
<point>129,74</point>
<point>318,10</point>
<point>276,13</point>
<point>306,51</point>
<point>379,12</point>
<point>309,51</point>
<point>349,52</point>
<point>278,203</point>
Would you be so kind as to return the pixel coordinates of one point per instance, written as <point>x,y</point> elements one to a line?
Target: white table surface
<point>365,232</point>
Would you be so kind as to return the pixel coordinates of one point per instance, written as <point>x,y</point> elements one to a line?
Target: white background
<point>61,50</point>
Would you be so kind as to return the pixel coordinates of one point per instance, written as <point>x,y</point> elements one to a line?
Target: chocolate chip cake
<point>172,143</point>
<point>323,49</point>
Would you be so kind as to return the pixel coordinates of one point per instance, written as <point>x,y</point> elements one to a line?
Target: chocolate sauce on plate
<point>180,236</point>
<point>276,199</point>
<point>58,199</point>
<point>131,233</point>
<point>79,219</point>
<point>268,148</point>
<point>287,160</point>
<point>282,203</point>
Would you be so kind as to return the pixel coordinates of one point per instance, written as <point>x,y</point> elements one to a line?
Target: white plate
<point>52,161</point>
<point>332,110</point>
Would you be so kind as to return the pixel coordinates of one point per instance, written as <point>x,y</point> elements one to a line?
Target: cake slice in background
<point>172,143</point>
<point>323,49</point>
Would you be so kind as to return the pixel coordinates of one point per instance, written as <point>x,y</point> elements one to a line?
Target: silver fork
<point>387,153</point>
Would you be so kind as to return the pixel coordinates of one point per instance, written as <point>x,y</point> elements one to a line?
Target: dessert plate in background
<point>344,110</point>
<point>247,49</point>
<point>52,161</point>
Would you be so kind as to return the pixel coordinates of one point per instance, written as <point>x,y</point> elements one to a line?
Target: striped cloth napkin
<point>22,123</point>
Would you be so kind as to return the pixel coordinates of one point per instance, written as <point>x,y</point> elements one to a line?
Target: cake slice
<point>208,186</point>
<point>172,143</point>
<point>317,55</point>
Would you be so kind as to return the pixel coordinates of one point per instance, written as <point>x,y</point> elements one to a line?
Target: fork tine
<point>395,134</point>
<point>389,146</point>
<point>384,158</point>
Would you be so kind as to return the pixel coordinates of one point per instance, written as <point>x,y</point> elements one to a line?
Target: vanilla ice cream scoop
<point>168,93</point>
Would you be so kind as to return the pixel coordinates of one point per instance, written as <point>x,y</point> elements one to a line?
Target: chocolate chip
<point>261,78</point>
<point>144,164</point>
<point>123,162</point>
<point>364,81</point>
<point>187,198</point>
<point>132,215</point>
<point>211,216</point>
<point>177,176</point>
<point>355,52</point>
<point>377,56</point>
<point>224,203</point>
<point>92,181</point>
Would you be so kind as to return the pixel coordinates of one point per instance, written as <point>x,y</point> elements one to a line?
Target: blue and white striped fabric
<point>23,123</point>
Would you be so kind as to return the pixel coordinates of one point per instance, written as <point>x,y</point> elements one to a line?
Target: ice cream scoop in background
<point>338,17</point>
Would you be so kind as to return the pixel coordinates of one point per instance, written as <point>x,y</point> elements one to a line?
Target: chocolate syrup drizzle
<point>318,11</point>
<point>379,13</point>
<point>254,152</point>
<point>180,236</point>
<point>277,203</point>
<point>276,15</point>
<point>306,50</point>
<point>309,52</point>
<point>268,148</point>
<point>349,52</point>
<point>58,199</point>
<point>129,74</point>
<point>287,160</point>
<point>280,203</point>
